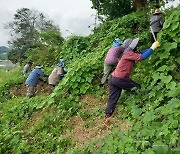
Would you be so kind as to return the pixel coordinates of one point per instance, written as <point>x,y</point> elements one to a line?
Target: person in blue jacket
<point>33,79</point>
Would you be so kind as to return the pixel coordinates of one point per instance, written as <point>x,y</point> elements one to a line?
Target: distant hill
<point>4,49</point>
<point>4,52</point>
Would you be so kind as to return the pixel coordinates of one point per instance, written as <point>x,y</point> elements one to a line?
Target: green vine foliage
<point>46,50</point>
<point>5,86</point>
<point>155,110</point>
<point>88,53</point>
<point>153,113</point>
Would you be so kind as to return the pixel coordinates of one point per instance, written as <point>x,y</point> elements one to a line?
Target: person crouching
<point>33,79</point>
<point>57,74</point>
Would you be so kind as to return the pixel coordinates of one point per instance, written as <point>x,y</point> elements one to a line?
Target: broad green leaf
<point>148,116</point>
<point>174,93</point>
<point>162,68</point>
<point>169,46</point>
<point>149,151</point>
<point>173,103</point>
<point>175,25</point>
<point>160,148</point>
<point>178,60</point>
<point>156,76</point>
<point>175,150</point>
<point>165,55</point>
<point>166,79</point>
<point>171,85</point>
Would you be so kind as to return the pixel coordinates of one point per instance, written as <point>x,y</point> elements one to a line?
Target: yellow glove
<point>155,45</point>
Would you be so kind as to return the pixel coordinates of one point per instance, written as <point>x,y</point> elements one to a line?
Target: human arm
<point>40,79</point>
<point>143,51</point>
<point>60,72</point>
<point>41,73</point>
<point>45,75</point>
<point>130,55</point>
<point>146,53</point>
<point>61,75</point>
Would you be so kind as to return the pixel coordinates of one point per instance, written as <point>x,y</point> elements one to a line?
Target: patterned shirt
<point>53,77</point>
<point>113,55</point>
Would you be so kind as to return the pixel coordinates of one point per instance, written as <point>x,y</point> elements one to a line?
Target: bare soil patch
<point>93,129</point>
<point>20,90</point>
<point>92,102</point>
<point>82,135</point>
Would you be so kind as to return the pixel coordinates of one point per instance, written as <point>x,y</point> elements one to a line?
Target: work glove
<point>155,45</point>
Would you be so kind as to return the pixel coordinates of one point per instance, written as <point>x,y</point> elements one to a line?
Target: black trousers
<point>152,38</point>
<point>115,88</point>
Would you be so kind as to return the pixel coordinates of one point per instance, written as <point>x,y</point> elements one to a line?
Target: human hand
<point>155,45</point>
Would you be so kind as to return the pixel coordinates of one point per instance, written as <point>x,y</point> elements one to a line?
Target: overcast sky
<point>72,16</point>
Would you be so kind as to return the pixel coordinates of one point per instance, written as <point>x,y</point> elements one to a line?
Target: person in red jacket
<point>120,77</point>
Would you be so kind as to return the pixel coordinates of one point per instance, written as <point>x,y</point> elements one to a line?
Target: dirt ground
<point>20,90</point>
<point>82,134</point>
<point>81,130</point>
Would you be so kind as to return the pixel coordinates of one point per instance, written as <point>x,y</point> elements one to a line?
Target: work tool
<point>153,34</point>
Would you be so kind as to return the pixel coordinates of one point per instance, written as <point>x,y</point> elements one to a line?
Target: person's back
<point>53,77</point>
<point>125,65</point>
<point>33,79</point>
<point>34,76</point>
<point>113,55</point>
<point>156,22</point>
<point>111,59</point>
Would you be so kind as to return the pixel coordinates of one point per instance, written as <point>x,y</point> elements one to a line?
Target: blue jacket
<point>34,77</point>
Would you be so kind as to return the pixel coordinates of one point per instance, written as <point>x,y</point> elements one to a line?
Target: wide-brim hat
<point>157,11</point>
<point>130,44</point>
<point>134,43</point>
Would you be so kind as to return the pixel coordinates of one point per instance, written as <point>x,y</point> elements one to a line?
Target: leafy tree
<point>46,50</point>
<point>24,29</point>
<point>137,4</point>
<point>118,8</point>
<point>112,8</point>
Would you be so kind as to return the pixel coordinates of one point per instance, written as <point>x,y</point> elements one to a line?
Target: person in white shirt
<point>27,68</point>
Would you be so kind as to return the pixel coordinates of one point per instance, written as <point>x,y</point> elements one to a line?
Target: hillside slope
<point>70,120</point>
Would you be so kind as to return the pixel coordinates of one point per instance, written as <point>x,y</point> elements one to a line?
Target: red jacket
<point>126,64</point>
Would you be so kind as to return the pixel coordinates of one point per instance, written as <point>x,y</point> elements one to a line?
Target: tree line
<point>118,8</point>
<point>32,33</point>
